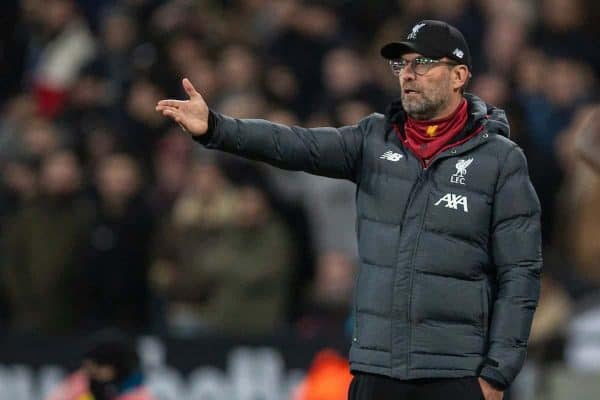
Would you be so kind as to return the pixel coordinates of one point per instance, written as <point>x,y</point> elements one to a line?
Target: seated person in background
<point>109,371</point>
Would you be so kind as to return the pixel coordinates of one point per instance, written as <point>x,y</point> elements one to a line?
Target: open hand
<point>191,115</point>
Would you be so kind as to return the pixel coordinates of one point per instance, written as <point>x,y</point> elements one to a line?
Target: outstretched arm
<point>333,152</point>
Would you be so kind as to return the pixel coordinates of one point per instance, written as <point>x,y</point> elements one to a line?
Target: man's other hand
<point>489,392</point>
<point>191,115</point>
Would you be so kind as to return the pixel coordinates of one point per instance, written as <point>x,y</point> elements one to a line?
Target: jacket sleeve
<point>332,152</point>
<point>517,255</point>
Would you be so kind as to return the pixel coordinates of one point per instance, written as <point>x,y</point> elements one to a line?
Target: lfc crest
<point>461,171</point>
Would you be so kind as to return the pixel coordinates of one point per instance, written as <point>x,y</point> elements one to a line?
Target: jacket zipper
<point>408,204</point>
<point>411,270</point>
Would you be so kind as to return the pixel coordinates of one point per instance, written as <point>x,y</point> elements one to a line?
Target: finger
<point>172,113</point>
<point>162,108</point>
<point>189,88</point>
<point>171,103</point>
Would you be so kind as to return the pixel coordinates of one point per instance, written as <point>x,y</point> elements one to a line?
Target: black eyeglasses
<point>420,65</point>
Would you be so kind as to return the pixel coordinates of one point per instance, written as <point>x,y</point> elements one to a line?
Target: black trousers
<point>377,387</point>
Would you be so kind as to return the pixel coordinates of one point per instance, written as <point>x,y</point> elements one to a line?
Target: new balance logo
<point>452,201</point>
<point>391,156</point>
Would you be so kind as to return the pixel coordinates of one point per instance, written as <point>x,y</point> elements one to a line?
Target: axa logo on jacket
<point>452,201</point>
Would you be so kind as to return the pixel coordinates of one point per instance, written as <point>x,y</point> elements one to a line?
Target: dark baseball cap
<point>433,39</point>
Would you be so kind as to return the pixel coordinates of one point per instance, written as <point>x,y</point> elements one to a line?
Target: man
<point>448,223</point>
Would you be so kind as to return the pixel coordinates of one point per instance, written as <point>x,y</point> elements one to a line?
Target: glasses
<point>420,65</point>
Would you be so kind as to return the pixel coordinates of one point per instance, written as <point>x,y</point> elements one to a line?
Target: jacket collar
<point>480,113</point>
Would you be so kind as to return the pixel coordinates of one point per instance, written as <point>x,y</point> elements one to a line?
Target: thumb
<point>189,88</point>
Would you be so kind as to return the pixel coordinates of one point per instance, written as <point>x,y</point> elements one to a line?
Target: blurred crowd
<point>111,216</point>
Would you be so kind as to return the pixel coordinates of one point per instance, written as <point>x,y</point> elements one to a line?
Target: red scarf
<point>428,138</point>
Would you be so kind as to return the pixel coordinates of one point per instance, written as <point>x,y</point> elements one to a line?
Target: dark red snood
<point>427,138</point>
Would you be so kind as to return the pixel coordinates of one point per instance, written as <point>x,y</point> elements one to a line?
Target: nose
<point>406,76</point>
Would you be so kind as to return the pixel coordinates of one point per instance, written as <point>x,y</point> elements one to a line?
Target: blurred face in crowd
<point>334,279</point>
<point>253,206</point>
<point>118,32</point>
<point>20,179</point>
<point>503,41</point>
<point>350,112</point>
<point>343,71</point>
<point>243,105</point>
<point>58,13</point>
<point>141,101</point>
<point>240,67</point>
<point>118,177</point>
<point>433,94</point>
<point>60,174</point>
<point>40,137</point>
<point>206,180</point>
<point>561,15</point>
<point>570,81</point>
<point>493,89</point>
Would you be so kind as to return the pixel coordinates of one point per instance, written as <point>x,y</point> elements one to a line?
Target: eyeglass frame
<point>430,62</point>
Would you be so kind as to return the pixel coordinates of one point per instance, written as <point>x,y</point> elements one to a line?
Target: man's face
<point>425,96</point>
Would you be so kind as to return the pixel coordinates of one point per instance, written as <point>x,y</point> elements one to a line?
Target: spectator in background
<point>61,46</point>
<point>110,370</point>
<point>503,41</point>
<point>312,30</point>
<point>42,248</point>
<point>116,258</point>
<point>566,30</point>
<point>578,219</point>
<point>171,162</point>
<point>578,229</point>
<point>241,67</point>
<point>188,236</point>
<point>142,130</point>
<point>15,116</point>
<point>225,259</point>
<point>251,269</point>
<point>344,80</point>
<point>41,137</point>
<point>328,204</point>
<point>552,317</point>
<point>18,186</point>
<point>118,37</point>
<point>329,298</point>
<point>548,106</point>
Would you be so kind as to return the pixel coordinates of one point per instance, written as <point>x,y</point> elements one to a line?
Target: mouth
<point>410,91</point>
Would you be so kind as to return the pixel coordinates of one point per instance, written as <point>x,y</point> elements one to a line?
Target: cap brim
<point>395,50</point>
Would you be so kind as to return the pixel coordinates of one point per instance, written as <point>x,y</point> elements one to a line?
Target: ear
<point>459,76</point>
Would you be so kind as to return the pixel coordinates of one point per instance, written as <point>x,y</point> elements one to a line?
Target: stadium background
<point>233,275</point>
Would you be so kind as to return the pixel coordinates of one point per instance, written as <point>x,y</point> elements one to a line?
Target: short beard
<point>427,109</point>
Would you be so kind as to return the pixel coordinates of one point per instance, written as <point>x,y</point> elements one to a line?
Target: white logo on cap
<point>458,53</point>
<point>415,30</point>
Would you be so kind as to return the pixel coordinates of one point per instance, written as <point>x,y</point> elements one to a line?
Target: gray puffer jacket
<point>450,255</point>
